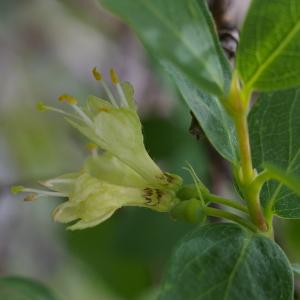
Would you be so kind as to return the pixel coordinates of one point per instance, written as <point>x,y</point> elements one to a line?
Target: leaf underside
<point>174,32</point>
<point>211,115</point>
<point>172,27</point>
<point>226,262</point>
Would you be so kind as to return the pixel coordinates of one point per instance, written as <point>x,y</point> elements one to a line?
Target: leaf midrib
<point>272,57</point>
<point>246,244</point>
<point>156,14</point>
<point>232,153</point>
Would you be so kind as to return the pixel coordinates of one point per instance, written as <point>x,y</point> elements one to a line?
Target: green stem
<point>241,126</point>
<point>238,106</point>
<point>261,178</point>
<point>254,190</point>
<point>248,174</point>
<point>274,173</point>
<point>227,202</point>
<point>191,191</point>
<point>214,212</point>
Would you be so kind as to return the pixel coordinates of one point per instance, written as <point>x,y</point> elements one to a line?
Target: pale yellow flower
<point>122,175</point>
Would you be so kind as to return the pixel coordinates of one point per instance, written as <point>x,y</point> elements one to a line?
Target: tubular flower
<point>122,175</point>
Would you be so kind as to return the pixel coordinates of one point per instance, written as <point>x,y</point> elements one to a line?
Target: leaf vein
<point>283,43</point>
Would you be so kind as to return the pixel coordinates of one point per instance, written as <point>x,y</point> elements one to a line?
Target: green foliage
<point>211,115</point>
<point>18,288</point>
<point>174,31</point>
<point>268,55</point>
<point>216,261</point>
<point>287,179</point>
<point>224,261</point>
<point>274,128</point>
<point>174,38</point>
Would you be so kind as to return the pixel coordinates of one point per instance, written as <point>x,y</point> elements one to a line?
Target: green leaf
<point>268,54</point>
<point>211,115</point>
<point>224,261</point>
<point>274,126</point>
<point>289,180</point>
<point>18,288</point>
<point>203,65</point>
<point>180,33</point>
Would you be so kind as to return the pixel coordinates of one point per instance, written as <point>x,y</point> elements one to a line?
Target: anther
<point>97,75</point>
<point>114,76</point>
<point>73,102</point>
<point>93,148</point>
<point>40,106</point>
<point>31,197</point>
<point>67,98</point>
<point>17,189</point>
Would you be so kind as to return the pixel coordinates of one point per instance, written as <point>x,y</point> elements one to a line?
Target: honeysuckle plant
<point>237,258</point>
<point>123,174</point>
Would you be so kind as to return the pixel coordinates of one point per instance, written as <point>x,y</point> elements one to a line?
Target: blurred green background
<point>48,48</point>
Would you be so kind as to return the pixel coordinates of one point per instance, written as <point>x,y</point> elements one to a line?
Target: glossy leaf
<point>268,54</point>
<point>180,33</point>
<point>18,288</point>
<point>211,115</point>
<point>224,261</point>
<point>274,131</point>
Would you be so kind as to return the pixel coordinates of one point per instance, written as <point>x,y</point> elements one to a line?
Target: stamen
<point>115,80</point>
<point>114,76</point>
<point>68,98</point>
<point>93,148</point>
<point>31,197</point>
<point>82,114</point>
<point>73,102</point>
<point>40,106</point>
<point>49,183</point>
<point>17,189</point>
<point>109,94</point>
<point>44,193</point>
<point>34,193</point>
<point>97,75</point>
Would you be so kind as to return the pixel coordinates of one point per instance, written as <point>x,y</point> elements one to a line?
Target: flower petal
<point>108,168</point>
<point>86,224</point>
<point>96,104</point>
<point>129,94</point>
<point>120,132</point>
<point>65,213</point>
